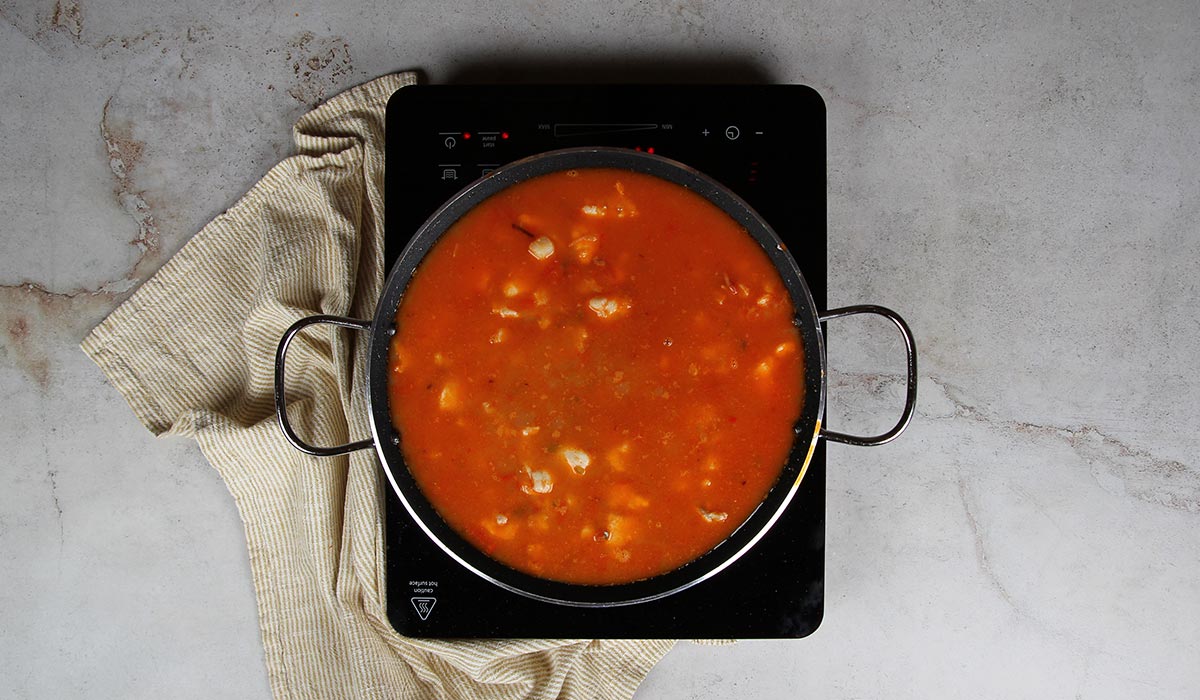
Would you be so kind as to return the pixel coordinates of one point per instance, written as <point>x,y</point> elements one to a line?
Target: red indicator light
<point>638,149</point>
<point>466,135</point>
<point>650,150</point>
<point>504,135</point>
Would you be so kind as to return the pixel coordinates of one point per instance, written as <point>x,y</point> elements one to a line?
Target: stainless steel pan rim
<point>387,441</point>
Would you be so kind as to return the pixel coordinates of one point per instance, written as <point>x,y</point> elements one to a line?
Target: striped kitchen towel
<point>193,352</point>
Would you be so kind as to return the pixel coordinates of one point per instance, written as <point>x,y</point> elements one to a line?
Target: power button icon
<point>732,132</point>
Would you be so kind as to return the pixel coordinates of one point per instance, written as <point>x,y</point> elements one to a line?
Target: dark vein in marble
<point>1095,447</point>
<point>1152,479</point>
<point>124,155</point>
<point>53,475</point>
<point>1148,477</point>
<point>981,552</point>
<point>32,313</point>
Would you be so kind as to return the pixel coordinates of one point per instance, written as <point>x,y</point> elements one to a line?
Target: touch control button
<point>732,132</point>
<point>450,142</point>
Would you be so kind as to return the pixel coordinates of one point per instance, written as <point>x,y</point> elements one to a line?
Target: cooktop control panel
<point>767,144</point>
<point>472,150</point>
<point>760,141</point>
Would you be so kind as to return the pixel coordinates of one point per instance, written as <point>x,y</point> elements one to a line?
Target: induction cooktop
<point>764,142</point>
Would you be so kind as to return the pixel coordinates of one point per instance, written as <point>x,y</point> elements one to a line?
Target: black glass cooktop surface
<point>767,144</point>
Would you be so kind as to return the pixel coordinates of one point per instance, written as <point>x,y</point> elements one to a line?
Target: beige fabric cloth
<point>193,352</point>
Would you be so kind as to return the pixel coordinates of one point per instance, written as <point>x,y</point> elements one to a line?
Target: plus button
<point>705,132</point>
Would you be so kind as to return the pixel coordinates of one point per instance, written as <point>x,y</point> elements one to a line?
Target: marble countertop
<point>1020,180</point>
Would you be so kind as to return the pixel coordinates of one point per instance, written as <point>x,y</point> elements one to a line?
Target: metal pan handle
<point>281,401</point>
<point>910,402</point>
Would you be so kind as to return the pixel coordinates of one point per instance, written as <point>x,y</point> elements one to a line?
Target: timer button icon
<point>732,132</point>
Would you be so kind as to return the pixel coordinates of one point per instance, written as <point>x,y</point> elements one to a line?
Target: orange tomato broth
<point>595,376</point>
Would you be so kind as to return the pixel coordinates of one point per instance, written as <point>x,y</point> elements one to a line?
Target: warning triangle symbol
<point>424,606</point>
